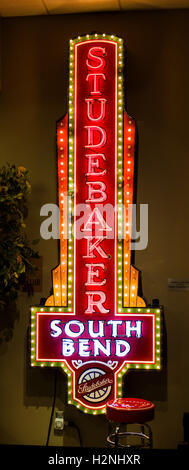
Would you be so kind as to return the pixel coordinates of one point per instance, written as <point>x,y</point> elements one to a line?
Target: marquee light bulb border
<point>63,299</point>
<point>125,367</point>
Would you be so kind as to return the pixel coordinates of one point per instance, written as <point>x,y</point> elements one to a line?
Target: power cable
<point>53,407</point>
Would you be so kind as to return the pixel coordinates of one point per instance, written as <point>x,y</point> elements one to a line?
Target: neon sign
<point>95,326</point>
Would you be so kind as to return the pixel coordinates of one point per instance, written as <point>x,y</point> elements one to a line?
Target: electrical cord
<point>53,407</point>
<point>71,423</point>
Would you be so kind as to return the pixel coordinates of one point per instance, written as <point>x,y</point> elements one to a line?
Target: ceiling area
<point>55,7</point>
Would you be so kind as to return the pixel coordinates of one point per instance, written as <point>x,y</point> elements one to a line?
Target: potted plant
<point>16,251</point>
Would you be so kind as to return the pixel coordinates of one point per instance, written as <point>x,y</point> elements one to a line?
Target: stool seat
<point>130,410</point>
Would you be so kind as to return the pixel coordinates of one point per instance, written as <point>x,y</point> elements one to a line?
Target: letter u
<point>90,109</point>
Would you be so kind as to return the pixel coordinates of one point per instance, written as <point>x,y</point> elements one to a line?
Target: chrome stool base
<point>144,436</point>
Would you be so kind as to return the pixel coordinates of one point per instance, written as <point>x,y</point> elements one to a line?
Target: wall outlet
<point>59,421</point>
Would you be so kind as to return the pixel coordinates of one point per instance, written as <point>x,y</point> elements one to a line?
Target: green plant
<point>15,248</point>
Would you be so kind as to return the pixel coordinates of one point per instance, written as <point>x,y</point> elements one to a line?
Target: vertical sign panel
<point>95,154</point>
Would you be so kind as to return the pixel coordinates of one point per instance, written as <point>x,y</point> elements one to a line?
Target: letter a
<point>96,220</point>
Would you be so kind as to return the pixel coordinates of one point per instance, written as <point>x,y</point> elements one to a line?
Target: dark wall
<point>33,97</point>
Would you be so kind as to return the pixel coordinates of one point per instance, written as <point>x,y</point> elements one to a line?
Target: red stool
<point>126,411</point>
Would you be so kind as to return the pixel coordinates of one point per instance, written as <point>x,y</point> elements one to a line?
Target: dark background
<point>33,97</point>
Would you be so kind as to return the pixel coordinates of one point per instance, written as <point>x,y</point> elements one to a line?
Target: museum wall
<point>33,96</point>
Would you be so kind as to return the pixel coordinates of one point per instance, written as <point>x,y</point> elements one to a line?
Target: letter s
<point>92,54</point>
<point>55,329</point>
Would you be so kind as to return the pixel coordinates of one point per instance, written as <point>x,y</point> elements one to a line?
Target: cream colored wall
<point>33,97</point>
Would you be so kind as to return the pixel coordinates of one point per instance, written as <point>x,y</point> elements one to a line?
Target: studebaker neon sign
<point>95,325</point>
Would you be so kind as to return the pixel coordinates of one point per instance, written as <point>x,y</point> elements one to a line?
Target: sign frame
<point>127,301</point>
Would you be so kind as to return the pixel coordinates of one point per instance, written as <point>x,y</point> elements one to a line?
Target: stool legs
<point>142,438</point>
<point>144,435</point>
<point>150,437</point>
<point>117,436</point>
